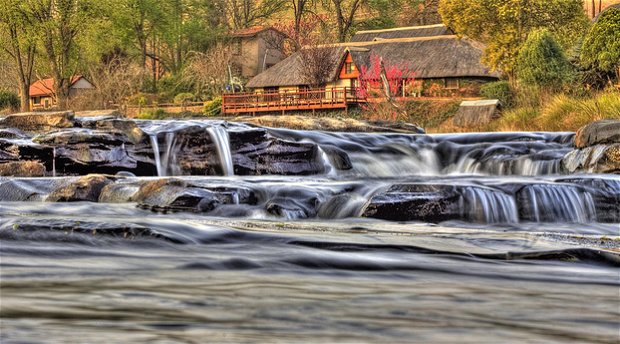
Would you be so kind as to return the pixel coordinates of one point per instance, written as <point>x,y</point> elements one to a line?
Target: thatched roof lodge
<point>440,64</point>
<point>442,58</point>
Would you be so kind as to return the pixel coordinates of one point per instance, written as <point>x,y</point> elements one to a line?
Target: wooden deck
<point>338,98</point>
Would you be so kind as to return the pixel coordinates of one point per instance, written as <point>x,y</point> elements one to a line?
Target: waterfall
<point>155,145</point>
<point>54,162</point>
<point>559,203</point>
<point>220,138</point>
<point>490,206</point>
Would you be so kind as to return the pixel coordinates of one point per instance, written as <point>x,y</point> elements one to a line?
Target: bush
<point>183,97</point>
<point>213,107</point>
<point>498,90</point>
<point>9,100</point>
<point>153,114</point>
<point>543,63</point>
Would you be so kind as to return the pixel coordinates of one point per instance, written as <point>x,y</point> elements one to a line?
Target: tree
<point>601,46</point>
<point>60,24</point>
<point>542,62</point>
<point>18,43</point>
<point>242,14</point>
<point>317,64</point>
<point>505,25</point>
<point>208,72</point>
<point>344,11</point>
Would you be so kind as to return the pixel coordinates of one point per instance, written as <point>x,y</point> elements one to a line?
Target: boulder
<point>113,125</point>
<point>39,121</point>
<point>597,133</point>
<point>84,151</point>
<point>22,168</point>
<point>171,195</point>
<point>416,202</point>
<point>601,158</point>
<point>86,188</point>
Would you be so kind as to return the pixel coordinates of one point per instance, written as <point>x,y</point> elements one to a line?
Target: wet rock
<point>38,121</point>
<point>594,159</point>
<point>597,133</point>
<point>166,195</point>
<point>86,188</point>
<point>338,158</point>
<point>416,202</point>
<point>22,168</point>
<point>113,125</point>
<point>84,151</point>
<point>254,152</point>
<point>12,133</point>
<point>605,195</point>
<point>29,189</point>
<point>257,153</point>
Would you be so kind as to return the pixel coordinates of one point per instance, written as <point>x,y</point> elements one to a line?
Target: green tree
<point>60,24</point>
<point>17,41</point>
<point>601,46</point>
<point>505,25</point>
<point>543,63</point>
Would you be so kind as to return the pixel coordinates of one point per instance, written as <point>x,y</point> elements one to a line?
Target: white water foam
<point>220,138</point>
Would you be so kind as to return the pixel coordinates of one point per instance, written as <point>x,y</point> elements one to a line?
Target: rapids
<point>223,232</point>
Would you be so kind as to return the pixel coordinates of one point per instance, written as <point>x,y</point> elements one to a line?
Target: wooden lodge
<point>440,65</point>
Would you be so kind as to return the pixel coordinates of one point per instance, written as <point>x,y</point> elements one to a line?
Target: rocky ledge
<point>597,149</point>
<point>61,144</point>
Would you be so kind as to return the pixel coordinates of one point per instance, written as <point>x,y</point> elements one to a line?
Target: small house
<point>255,50</point>
<point>43,92</point>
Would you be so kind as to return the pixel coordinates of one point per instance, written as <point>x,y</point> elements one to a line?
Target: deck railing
<point>312,99</point>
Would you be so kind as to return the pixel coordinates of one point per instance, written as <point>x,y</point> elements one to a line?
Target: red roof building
<point>43,92</point>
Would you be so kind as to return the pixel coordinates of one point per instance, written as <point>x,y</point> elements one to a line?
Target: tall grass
<point>561,113</point>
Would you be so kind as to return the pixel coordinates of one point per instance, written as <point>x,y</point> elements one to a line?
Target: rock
<point>605,195</point>
<point>111,125</point>
<point>257,153</point>
<point>166,195</point>
<point>86,188</point>
<point>594,159</point>
<point>300,122</point>
<point>596,133</point>
<point>28,189</point>
<point>22,168</point>
<point>338,158</point>
<point>416,202</point>
<point>84,151</point>
<point>254,152</point>
<point>39,121</point>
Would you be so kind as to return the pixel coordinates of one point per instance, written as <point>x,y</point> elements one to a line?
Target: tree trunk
<point>593,9</point>
<point>63,88</point>
<point>24,97</point>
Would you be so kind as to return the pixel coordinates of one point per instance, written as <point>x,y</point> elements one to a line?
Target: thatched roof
<point>427,57</point>
<point>286,72</point>
<point>402,32</point>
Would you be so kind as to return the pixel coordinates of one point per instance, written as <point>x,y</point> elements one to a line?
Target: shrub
<point>9,100</point>
<point>601,46</point>
<point>498,90</point>
<point>153,114</point>
<point>213,107</point>
<point>183,97</point>
<point>542,62</point>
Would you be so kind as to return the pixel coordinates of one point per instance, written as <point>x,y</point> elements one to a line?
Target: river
<point>423,238</point>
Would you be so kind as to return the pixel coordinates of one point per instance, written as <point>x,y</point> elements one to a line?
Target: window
<point>452,83</point>
<point>36,100</point>
<point>236,70</point>
<point>348,68</point>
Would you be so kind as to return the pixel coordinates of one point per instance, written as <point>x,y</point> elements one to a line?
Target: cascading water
<point>490,206</point>
<point>220,138</point>
<point>157,156</point>
<point>558,203</point>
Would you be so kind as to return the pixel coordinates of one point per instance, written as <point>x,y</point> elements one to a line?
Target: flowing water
<point>529,255</point>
